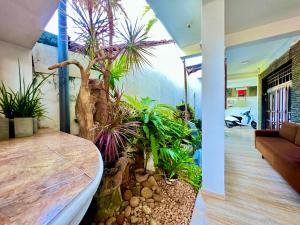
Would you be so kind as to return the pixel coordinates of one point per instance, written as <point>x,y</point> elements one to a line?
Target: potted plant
<point>4,128</point>
<point>27,106</point>
<point>6,109</point>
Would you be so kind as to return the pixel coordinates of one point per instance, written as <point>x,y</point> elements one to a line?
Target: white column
<point>213,44</point>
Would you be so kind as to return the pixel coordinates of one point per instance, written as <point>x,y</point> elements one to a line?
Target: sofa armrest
<point>267,133</point>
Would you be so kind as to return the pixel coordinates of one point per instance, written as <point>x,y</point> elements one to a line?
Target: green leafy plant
<point>178,163</point>
<point>164,133</point>
<point>181,108</point>
<point>7,102</point>
<point>159,126</point>
<point>153,20</point>
<point>27,100</point>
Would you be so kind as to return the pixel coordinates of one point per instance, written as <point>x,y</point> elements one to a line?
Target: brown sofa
<point>281,148</point>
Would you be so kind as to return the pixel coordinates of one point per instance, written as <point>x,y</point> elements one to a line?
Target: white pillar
<point>213,45</point>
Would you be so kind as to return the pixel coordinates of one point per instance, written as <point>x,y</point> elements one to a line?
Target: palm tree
<point>105,45</point>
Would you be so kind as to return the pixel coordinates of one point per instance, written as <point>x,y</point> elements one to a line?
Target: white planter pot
<point>4,129</point>
<point>35,125</point>
<point>23,127</point>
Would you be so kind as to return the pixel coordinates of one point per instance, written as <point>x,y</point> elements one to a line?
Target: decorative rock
<point>127,211</point>
<point>150,200</point>
<point>152,222</point>
<point>120,219</point>
<point>158,190</point>
<point>140,175</point>
<point>127,195</point>
<point>146,192</point>
<point>136,191</point>
<point>134,202</point>
<point>146,210</point>
<point>142,199</point>
<point>157,198</point>
<point>157,177</point>
<point>151,205</point>
<point>111,221</point>
<point>152,182</point>
<point>134,219</point>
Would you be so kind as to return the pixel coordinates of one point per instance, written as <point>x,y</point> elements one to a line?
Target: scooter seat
<point>238,117</point>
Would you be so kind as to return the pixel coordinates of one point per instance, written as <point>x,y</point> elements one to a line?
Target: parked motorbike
<point>246,119</point>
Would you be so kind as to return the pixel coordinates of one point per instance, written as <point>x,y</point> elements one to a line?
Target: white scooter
<point>244,120</point>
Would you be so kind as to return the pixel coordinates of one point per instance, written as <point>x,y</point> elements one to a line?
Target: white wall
<point>245,102</point>
<point>9,72</point>
<point>242,82</point>
<point>163,81</point>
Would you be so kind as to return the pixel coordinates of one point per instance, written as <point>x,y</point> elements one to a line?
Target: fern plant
<point>159,124</point>
<point>178,163</point>
<point>163,133</point>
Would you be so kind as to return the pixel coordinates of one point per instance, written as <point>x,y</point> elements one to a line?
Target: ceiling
<point>182,20</point>
<point>249,59</point>
<point>240,15</point>
<point>23,21</point>
<point>244,14</point>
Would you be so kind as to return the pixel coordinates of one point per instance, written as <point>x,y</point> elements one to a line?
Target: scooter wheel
<point>254,125</point>
<point>229,124</point>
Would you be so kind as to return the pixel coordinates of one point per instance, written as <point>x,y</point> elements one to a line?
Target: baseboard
<point>212,195</point>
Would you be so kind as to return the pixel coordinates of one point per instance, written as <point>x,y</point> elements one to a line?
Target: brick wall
<point>295,95</point>
<point>293,55</point>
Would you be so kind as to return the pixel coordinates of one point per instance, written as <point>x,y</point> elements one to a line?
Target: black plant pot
<point>181,107</point>
<point>11,128</point>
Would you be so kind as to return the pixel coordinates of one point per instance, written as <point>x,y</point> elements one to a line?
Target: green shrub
<point>164,133</point>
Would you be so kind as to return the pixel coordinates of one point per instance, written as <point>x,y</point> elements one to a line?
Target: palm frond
<point>134,48</point>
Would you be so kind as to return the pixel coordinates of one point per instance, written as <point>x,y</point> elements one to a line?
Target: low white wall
<point>9,72</point>
<point>163,81</point>
<point>242,104</point>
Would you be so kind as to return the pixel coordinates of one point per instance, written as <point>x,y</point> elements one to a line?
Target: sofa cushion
<point>282,148</point>
<point>288,131</point>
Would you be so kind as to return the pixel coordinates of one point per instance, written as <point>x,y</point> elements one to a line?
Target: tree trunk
<point>84,107</point>
<point>84,113</point>
<point>99,99</point>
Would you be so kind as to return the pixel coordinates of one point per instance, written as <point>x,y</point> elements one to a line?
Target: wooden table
<point>40,176</point>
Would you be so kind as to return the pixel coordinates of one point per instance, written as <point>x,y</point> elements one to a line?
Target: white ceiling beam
<point>278,28</point>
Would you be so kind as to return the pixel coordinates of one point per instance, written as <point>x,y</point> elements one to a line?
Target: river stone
<point>134,202</point>
<point>158,190</point>
<point>157,198</point>
<point>127,211</point>
<point>136,191</point>
<point>152,222</point>
<point>146,192</point>
<point>134,219</point>
<point>111,221</point>
<point>140,175</point>
<point>152,182</point>
<point>146,210</point>
<point>151,205</point>
<point>120,219</point>
<point>127,195</point>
